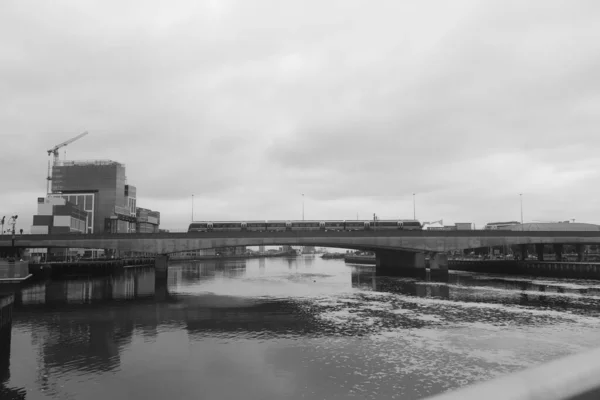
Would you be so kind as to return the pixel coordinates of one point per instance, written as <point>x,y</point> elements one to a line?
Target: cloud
<point>358,105</point>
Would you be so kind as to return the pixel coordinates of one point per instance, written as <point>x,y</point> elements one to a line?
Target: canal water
<point>277,328</point>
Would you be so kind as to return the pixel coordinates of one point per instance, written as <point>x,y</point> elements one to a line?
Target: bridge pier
<point>523,249</point>
<point>558,251</point>
<point>539,249</point>
<point>579,249</point>
<point>161,266</point>
<point>400,263</point>
<point>438,267</point>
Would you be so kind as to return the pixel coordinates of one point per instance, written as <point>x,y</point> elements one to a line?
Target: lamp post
<point>414,208</point>
<point>302,206</point>
<point>192,208</point>
<point>521,198</point>
<point>13,222</point>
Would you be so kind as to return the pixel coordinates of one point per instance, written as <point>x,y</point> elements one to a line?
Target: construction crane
<point>54,151</point>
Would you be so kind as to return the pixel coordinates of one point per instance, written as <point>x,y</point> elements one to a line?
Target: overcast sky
<point>357,104</point>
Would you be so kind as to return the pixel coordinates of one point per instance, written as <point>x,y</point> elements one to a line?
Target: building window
<point>89,201</point>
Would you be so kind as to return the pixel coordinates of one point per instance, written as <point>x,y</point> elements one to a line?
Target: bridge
<point>398,252</point>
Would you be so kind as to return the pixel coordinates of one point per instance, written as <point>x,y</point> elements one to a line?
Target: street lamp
<point>521,197</point>
<point>414,208</point>
<point>192,208</point>
<point>302,206</point>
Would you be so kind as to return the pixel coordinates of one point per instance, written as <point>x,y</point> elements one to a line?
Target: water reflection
<point>285,328</point>
<point>6,391</point>
<point>130,285</point>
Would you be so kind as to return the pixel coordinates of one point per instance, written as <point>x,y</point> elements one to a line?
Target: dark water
<point>301,328</point>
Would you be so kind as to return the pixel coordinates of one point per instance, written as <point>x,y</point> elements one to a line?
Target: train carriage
<point>334,226</point>
<point>411,225</point>
<point>198,227</point>
<point>255,226</point>
<point>227,226</point>
<point>357,225</point>
<point>387,225</point>
<point>307,225</point>
<point>278,226</point>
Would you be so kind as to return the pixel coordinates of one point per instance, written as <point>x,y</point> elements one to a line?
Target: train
<point>286,225</point>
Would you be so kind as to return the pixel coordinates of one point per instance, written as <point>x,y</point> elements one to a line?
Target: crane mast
<point>54,151</point>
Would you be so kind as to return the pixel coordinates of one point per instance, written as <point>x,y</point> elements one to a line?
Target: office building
<point>147,220</point>
<point>100,188</point>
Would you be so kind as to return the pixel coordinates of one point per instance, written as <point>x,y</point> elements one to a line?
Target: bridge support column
<point>400,263</point>
<point>579,249</point>
<point>558,251</point>
<point>438,267</point>
<point>161,266</point>
<point>523,249</point>
<point>539,249</point>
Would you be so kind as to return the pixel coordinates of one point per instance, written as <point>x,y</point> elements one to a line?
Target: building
<point>57,215</point>
<point>458,226</point>
<point>100,188</point>
<point>147,220</point>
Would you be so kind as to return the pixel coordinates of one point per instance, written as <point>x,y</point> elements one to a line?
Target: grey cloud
<point>249,104</point>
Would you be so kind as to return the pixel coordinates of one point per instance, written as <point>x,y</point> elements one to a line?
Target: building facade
<point>147,220</point>
<point>56,215</point>
<point>100,188</point>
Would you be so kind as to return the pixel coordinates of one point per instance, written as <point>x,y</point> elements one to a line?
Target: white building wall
<point>39,230</point>
<point>62,220</point>
<point>44,209</point>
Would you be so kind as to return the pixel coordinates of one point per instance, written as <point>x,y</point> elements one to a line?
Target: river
<point>277,328</point>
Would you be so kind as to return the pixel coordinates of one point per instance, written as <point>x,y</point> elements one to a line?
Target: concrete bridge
<point>397,252</point>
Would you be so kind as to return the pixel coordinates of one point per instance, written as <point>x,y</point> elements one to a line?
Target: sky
<point>248,105</point>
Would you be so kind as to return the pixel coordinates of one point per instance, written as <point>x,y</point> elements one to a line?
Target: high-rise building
<point>100,188</point>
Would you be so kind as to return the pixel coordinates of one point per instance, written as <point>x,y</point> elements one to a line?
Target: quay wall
<point>556,269</point>
<point>90,268</point>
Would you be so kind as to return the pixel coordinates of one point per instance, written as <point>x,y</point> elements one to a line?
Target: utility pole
<point>521,197</point>
<point>302,206</point>
<point>192,208</point>
<point>414,208</point>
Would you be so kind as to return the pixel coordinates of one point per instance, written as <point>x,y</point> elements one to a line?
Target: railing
<point>575,377</point>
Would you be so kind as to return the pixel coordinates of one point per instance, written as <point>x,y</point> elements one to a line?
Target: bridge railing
<point>575,377</point>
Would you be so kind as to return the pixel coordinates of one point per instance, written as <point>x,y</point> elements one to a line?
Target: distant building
<point>100,188</point>
<point>147,220</point>
<point>464,226</point>
<point>55,215</point>
<point>458,226</point>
